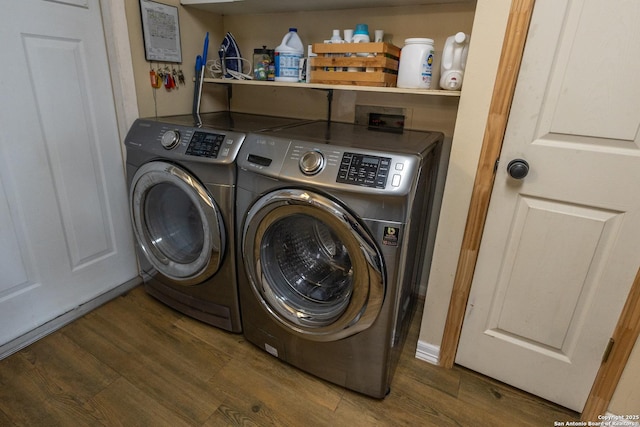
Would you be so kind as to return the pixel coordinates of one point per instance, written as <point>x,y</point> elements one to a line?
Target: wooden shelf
<point>397,90</point>
<point>239,7</point>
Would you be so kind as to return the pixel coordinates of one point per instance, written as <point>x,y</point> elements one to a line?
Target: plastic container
<point>454,61</point>
<point>262,60</point>
<point>348,35</point>
<point>287,57</point>
<point>361,35</point>
<point>416,62</point>
<point>335,38</point>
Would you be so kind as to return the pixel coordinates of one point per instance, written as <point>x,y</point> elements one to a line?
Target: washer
<point>182,201</point>
<point>332,242</point>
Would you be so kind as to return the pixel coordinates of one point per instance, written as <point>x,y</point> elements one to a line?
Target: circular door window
<point>177,223</point>
<point>309,267</point>
<point>312,264</point>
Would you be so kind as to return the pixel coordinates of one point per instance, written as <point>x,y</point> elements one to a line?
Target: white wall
<point>194,24</point>
<point>484,54</point>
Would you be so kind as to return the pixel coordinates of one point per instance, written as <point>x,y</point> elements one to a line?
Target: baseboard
<point>53,325</point>
<point>428,352</point>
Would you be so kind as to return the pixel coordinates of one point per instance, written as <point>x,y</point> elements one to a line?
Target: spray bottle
<point>454,61</point>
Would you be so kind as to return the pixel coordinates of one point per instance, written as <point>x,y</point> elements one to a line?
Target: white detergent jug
<point>288,56</point>
<point>454,61</point>
<point>416,62</point>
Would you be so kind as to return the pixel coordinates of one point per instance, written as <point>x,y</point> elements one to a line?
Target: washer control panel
<point>204,144</point>
<point>364,169</point>
<point>329,166</point>
<point>339,157</point>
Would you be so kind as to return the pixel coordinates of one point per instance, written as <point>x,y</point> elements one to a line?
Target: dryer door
<point>177,223</point>
<point>312,265</point>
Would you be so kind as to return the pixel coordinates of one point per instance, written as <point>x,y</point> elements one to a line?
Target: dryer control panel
<point>174,141</point>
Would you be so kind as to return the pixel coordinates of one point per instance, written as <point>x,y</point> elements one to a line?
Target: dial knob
<point>311,162</point>
<point>518,168</point>
<point>170,139</point>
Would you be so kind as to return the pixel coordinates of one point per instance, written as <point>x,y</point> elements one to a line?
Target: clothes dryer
<point>332,230</point>
<point>182,183</point>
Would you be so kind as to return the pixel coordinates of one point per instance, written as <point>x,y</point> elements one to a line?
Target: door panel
<point>599,69</point>
<point>66,233</point>
<point>13,262</point>
<point>70,151</point>
<point>536,285</point>
<point>559,251</point>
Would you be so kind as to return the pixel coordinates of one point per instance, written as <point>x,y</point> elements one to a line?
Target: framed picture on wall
<point>160,31</point>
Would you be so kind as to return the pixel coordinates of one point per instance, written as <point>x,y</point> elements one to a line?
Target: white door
<point>560,247</point>
<point>65,233</point>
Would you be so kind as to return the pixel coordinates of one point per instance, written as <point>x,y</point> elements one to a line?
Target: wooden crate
<point>383,66</point>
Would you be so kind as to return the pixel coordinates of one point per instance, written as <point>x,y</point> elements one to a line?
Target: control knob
<point>170,139</point>
<point>311,162</point>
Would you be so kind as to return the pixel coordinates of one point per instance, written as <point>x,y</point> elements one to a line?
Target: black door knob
<point>518,168</point>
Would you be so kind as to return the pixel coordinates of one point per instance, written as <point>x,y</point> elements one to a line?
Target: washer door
<point>177,223</point>
<point>312,265</point>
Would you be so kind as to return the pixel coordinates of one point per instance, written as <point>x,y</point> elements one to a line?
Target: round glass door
<point>312,264</point>
<point>177,223</point>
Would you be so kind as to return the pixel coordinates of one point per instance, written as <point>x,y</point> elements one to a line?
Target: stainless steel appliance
<point>182,182</point>
<point>332,230</point>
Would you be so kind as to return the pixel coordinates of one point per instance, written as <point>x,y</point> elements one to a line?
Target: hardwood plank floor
<point>136,362</point>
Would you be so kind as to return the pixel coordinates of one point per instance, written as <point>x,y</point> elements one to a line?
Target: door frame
<point>114,22</point>
<point>628,327</point>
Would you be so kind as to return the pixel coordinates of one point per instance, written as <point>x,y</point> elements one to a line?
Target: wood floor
<point>135,362</point>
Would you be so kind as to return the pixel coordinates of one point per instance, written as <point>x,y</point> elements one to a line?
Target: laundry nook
<point>368,213</point>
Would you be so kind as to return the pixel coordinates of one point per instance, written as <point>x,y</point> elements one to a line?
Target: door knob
<point>518,168</point>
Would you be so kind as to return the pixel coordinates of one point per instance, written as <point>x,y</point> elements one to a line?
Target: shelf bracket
<point>229,96</point>
<point>329,101</point>
<point>329,104</point>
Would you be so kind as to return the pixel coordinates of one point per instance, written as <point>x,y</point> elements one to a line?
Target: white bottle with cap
<point>416,62</point>
<point>454,61</point>
<point>361,35</point>
<point>287,57</point>
<point>335,38</point>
